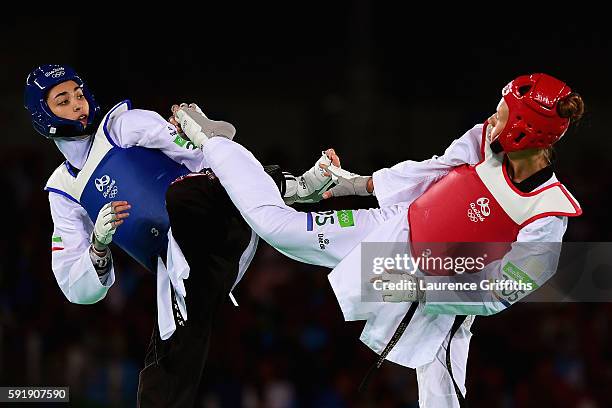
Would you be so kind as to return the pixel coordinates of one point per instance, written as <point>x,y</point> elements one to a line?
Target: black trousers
<point>212,235</point>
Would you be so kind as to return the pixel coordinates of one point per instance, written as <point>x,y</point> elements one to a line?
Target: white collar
<point>75,150</point>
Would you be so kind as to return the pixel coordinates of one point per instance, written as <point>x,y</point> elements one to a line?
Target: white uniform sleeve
<point>148,129</point>
<point>533,259</point>
<point>408,180</point>
<point>70,259</point>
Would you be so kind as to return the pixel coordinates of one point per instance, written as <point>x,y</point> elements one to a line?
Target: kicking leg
<point>317,238</point>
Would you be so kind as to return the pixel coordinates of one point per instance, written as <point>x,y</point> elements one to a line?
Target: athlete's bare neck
<point>525,163</point>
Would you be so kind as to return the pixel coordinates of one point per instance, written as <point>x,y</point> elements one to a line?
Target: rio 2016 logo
<point>56,72</point>
<point>102,182</point>
<point>106,186</point>
<point>478,214</point>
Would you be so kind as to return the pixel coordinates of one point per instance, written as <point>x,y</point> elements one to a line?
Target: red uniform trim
<point>559,213</point>
<point>531,193</point>
<point>186,176</point>
<point>519,192</point>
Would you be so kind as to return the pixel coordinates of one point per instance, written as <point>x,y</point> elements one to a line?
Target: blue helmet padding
<point>45,122</point>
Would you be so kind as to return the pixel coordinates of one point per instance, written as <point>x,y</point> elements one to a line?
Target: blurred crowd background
<point>380,86</point>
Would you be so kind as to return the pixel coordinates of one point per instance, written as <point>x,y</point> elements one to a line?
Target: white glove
<point>198,127</point>
<point>399,287</point>
<point>105,227</point>
<point>347,183</point>
<point>310,186</point>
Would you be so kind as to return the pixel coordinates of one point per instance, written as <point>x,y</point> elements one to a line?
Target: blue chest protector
<point>141,177</point>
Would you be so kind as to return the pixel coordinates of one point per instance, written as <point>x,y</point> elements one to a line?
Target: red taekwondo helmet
<point>533,120</point>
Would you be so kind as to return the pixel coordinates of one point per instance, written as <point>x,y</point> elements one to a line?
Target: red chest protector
<point>480,204</point>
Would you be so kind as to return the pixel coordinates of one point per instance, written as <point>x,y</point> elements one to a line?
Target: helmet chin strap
<point>496,147</point>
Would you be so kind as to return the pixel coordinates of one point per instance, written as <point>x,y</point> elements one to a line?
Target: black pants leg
<point>212,236</point>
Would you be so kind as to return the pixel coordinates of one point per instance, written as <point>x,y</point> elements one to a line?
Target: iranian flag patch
<point>56,244</point>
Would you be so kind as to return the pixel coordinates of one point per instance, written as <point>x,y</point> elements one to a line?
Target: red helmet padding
<point>533,120</point>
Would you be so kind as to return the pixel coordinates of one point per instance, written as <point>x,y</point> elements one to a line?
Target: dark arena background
<point>380,86</point>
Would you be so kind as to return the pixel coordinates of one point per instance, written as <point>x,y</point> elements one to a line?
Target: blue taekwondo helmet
<point>38,84</point>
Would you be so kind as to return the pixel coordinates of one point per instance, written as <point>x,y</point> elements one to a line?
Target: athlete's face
<point>66,101</point>
<point>499,119</point>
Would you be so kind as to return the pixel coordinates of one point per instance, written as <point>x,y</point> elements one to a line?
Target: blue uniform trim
<point>71,169</point>
<point>502,300</point>
<point>108,115</point>
<point>309,226</point>
<point>60,192</point>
